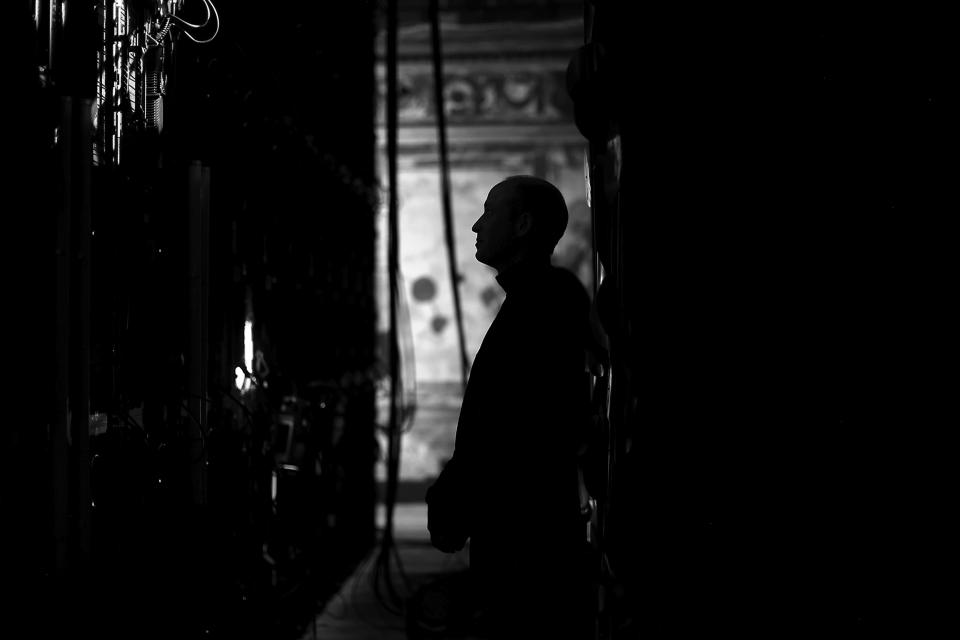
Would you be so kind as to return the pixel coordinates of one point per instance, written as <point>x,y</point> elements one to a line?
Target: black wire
<point>375,582</point>
<point>445,185</point>
<point>393,271</point>
<point>350,603</point>
<point>391,553</point>
<point>368,560</point>
<point>376,563</point>
<point>388,542</point>
<point>403,571</point>
<point>407,371</point>
<point>388,551</point>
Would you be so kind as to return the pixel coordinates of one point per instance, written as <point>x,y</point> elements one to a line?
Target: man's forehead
<point>500,191</point>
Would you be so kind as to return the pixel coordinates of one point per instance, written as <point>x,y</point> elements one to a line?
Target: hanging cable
<point>402,408</point>
<point>208,4</point>
<point>445,184</point>
<point>190,25</point>
<point>392,269</point>
<point>408,371</point>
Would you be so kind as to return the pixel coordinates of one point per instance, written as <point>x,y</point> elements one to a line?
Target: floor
<point>362,609</point>
<point>356,613</point>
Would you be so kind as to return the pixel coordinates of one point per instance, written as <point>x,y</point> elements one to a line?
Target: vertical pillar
<point>198,194</point>
<point>82,150</point>
<point>60,435</point>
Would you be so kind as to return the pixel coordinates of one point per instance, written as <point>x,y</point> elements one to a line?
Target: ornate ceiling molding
<point>484,41</point>
<point>504,89</point>
<point>496,77</point>
<point>499,95</point>
<point>499,135</point>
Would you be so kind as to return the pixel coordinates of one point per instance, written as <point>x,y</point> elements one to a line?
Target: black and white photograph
<point>479,320</point>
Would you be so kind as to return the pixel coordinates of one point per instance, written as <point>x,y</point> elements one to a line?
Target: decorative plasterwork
<point>504,84</point>
<point>486,41</point>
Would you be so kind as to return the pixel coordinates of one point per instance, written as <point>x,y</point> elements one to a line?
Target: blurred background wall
<point>508,112</point>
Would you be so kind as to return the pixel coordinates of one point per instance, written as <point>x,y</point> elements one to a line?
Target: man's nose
<point>476,227</point>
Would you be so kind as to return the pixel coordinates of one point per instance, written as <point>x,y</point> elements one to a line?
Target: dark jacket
<point>511,486</point>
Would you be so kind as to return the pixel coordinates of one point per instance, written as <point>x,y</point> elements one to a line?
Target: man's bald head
<point>545,204</point>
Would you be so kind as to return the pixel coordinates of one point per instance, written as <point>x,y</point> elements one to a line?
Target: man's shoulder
<point>557,298</point>
<point>566,286</point>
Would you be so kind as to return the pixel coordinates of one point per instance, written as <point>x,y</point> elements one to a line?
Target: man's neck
<point>519,261</point>
<point>515,268</point>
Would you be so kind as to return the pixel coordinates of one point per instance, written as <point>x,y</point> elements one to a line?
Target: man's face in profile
<point>496,233</point>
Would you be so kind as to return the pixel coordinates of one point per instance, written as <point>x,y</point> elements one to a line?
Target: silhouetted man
<point>511,486</point>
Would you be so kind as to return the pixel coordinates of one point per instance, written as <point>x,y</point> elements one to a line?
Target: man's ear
<point>523,224</point>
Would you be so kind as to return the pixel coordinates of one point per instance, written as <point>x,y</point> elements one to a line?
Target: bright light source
<point>248,344</point>
<point>243,380</point>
